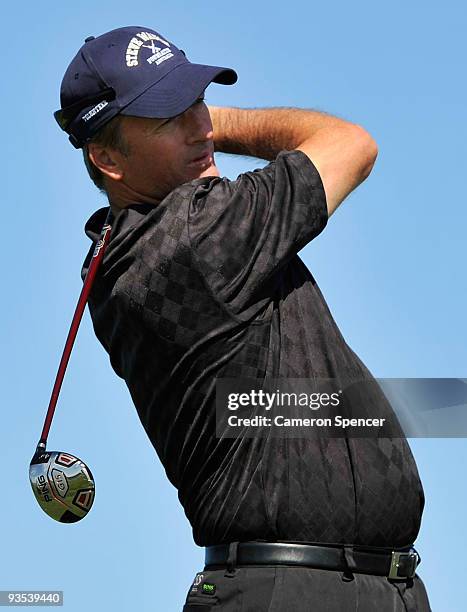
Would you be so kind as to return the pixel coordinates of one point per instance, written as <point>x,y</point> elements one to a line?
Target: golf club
<point>62,483</point>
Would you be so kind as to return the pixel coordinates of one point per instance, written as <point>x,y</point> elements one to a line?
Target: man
<point>201,281</point>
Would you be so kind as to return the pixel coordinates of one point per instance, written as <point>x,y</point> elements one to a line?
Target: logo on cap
<point>96,109</point>
<point>159,54</point>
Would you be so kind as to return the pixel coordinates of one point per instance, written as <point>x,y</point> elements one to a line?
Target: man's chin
<point>212,170</point>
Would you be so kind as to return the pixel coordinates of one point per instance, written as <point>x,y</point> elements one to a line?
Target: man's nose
<point>199,125</point>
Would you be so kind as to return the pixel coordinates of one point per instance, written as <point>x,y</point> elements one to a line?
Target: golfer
<point>201,281</point>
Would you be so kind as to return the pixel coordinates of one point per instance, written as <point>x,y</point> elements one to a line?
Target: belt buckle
<point>403,562</point>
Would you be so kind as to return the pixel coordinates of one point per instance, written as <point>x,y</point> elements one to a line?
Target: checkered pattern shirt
<point>208,284</point>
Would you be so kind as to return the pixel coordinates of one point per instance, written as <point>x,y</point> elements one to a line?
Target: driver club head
<point>63,485</point>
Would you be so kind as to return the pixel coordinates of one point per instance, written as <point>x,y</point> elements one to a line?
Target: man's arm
<point>343,152</point>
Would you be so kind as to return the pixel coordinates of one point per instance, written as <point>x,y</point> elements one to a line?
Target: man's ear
<point>109,161</point>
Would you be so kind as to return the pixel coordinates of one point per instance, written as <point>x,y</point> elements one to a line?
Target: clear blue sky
<point>391,264</point>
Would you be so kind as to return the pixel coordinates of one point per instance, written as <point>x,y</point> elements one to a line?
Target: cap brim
<point>177,91</point>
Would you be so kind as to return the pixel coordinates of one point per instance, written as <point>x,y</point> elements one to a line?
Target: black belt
<point>397,564</point>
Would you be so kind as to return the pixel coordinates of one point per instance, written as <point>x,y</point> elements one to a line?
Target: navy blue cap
<point>130,71</point>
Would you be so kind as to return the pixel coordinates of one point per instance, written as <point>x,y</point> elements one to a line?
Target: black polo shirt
<point>208,284</point>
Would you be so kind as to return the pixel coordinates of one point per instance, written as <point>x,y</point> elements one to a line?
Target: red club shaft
<point>88,281</point>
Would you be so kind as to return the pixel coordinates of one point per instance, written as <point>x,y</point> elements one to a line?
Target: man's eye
<point>157,128</point>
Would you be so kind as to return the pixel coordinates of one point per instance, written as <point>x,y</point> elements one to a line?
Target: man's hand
<point>343,152</point>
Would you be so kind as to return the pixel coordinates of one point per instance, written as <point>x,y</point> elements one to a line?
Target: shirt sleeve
<point>242,232</point>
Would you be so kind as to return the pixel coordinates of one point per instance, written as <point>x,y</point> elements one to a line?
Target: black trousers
<point>283,588</point>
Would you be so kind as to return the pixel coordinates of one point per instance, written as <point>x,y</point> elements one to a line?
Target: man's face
<point>165,153</point>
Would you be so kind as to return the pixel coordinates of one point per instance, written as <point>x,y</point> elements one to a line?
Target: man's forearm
<point>265,132</point>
